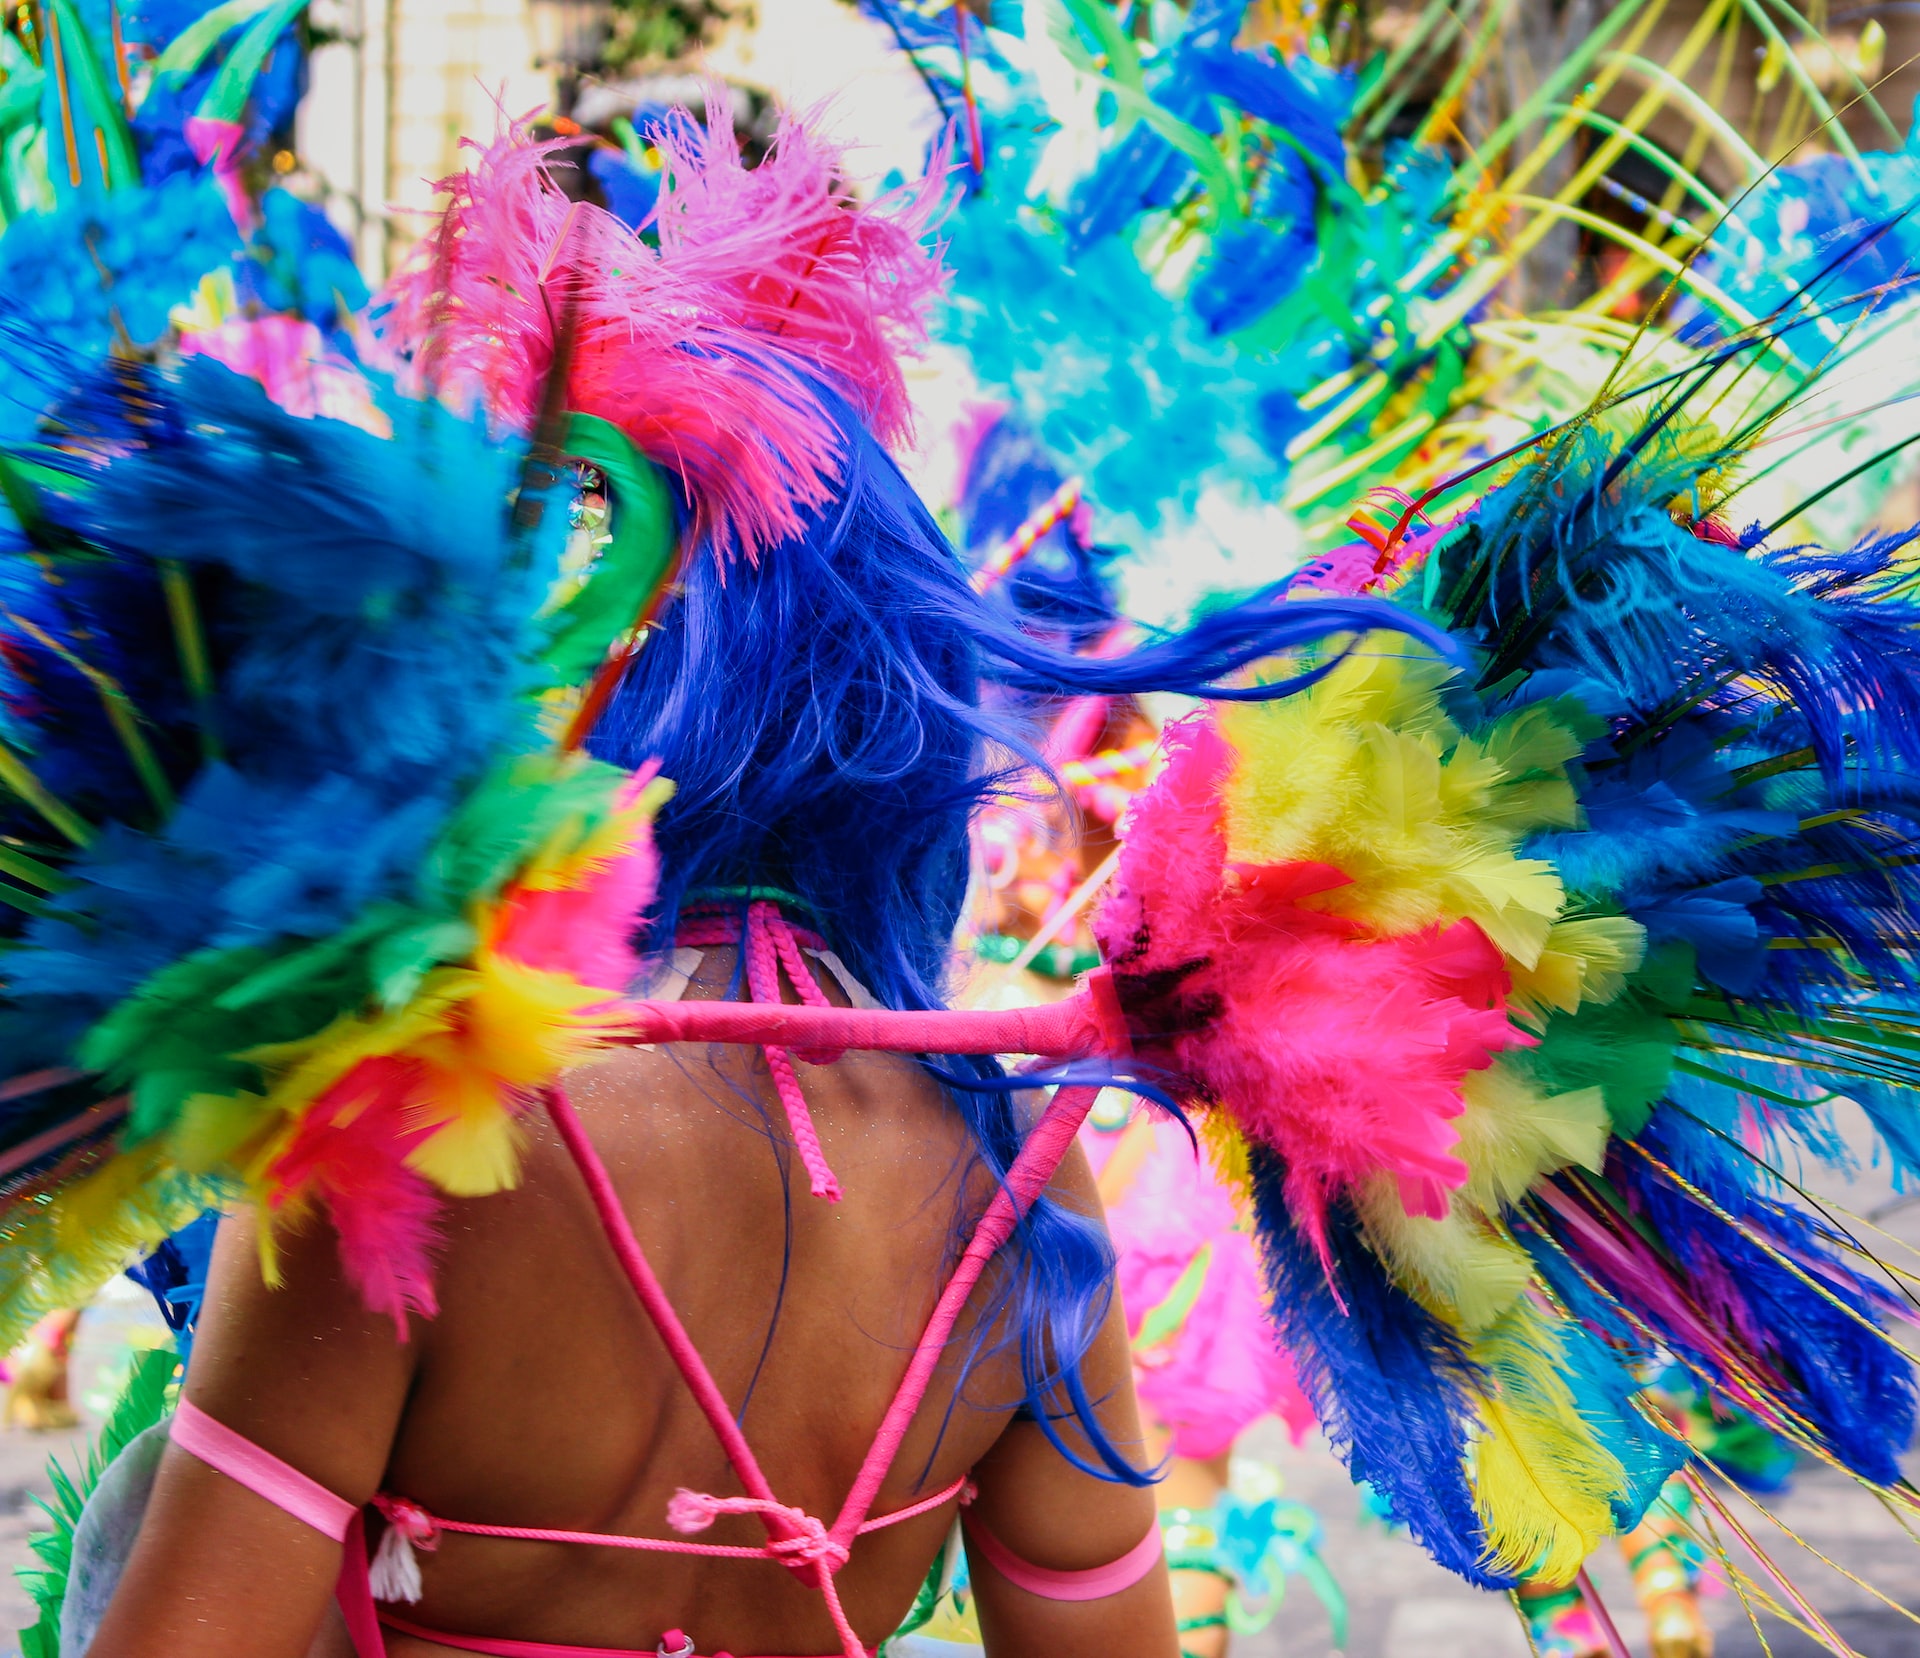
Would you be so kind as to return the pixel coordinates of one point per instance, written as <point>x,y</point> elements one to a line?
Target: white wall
<point>387,107</point>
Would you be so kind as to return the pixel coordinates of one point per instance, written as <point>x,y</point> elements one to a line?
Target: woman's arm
<point>1053,1516</point>
<point>306,1373</point>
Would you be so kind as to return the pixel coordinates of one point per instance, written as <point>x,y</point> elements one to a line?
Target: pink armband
<point>1096,1583</point>
<point>261,1472</point>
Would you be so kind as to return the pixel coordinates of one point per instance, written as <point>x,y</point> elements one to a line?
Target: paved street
<point>1403,1606</point>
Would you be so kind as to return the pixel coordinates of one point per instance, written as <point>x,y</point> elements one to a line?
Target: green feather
<point>622,585</point>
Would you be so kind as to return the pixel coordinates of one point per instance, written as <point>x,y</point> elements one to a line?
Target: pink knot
<point>409,1519</point>
<point>815,1546</point>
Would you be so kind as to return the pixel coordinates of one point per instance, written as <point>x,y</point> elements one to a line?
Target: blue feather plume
<point>1385,1377</point>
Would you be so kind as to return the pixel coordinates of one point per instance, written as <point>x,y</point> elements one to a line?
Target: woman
<point>819,713</point>
<point>540,1396</point>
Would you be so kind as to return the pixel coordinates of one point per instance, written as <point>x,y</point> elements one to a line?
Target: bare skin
<point>541,1397</point>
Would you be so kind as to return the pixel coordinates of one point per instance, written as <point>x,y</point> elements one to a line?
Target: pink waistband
<point>490,1648</point>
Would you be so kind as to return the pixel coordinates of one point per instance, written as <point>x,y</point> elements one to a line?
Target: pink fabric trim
<point>1095,1583</point>
<point>507,1649</point>
<point>354,1592</point>
<point>261,1472</point>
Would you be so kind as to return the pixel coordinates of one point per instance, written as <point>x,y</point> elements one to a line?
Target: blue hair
<point>820,713</point>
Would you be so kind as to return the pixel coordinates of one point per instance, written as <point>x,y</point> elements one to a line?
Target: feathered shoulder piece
<point>703,337</point>
<point>1511,987</point>
<point>298,893</point>
<point>305,885</point>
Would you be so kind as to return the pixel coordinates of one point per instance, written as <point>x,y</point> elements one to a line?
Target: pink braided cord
<point>768,948</point>
<point>770,944</point>
<point>810,1546</point>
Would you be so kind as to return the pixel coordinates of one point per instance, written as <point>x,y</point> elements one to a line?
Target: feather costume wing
<point>1509,983</point>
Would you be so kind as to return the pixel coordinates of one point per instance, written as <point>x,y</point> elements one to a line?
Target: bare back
<point>542,1397</point>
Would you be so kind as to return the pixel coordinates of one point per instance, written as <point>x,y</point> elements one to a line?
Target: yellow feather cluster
<point>1542,1480</point>
<point>61,1250</point>
<point>1365,771</point>
<point>1585,959</point>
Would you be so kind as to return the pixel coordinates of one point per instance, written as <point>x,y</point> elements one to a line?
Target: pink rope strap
<point>769,948</point>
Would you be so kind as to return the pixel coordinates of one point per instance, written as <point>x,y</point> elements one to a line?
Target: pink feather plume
<point>350,1151</point>
<point>1343,1052</point>
<point>705,350</point>
<point>843,285</point>
<point>587,931</point>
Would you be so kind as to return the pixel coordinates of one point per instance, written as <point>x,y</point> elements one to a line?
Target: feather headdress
<point>702,341</point>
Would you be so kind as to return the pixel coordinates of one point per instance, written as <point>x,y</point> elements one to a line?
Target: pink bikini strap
<point>261,1472</point>
<point>492,1648</point>
<point>1096,1583</point>
<point>1036,1164</point>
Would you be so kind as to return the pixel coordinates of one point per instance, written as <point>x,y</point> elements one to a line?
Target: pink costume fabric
<point>1221,1369</point>
<point>812,1549</point>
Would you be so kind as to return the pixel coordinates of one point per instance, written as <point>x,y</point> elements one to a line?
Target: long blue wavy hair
<point>820,712</point>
